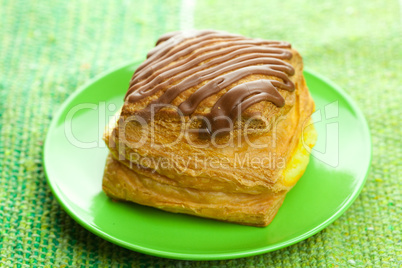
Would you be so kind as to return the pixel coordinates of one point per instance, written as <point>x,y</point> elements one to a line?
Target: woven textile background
<point>49,48</point>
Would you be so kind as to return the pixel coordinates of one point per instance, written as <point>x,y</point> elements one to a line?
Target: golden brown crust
<point>167,164</point>
<point>122,183</point>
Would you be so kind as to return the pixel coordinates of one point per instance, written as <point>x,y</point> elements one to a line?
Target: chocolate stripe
<point>142,89</point>
<point>187,59</point>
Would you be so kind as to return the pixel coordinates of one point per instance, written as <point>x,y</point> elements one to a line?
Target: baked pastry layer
<point>178,157</point>
<point>143,187</point>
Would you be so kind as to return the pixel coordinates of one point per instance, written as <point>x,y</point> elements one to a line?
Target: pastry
<point>215,125</point>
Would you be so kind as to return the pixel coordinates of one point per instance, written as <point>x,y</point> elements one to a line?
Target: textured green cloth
<point>49,48</point>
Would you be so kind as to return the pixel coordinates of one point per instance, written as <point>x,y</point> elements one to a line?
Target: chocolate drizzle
<point>182,60</point>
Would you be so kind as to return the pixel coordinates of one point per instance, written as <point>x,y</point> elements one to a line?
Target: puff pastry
<point>215,125</point>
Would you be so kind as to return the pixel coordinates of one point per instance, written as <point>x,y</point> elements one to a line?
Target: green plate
<point>74,158</point>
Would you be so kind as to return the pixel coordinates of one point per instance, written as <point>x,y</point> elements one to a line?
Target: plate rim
<point>203,256</point>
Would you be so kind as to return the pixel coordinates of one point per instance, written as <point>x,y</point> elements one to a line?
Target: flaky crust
<point>166,164</point>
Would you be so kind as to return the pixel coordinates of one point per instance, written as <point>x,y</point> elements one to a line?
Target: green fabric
<point>49,48</point>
